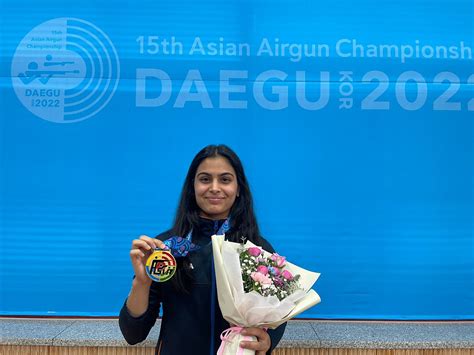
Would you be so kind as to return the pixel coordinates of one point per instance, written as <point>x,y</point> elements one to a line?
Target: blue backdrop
<point>354,121</point>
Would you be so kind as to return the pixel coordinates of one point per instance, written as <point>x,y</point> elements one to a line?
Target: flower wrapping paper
<point>231,345</point>
<point>252,309</point>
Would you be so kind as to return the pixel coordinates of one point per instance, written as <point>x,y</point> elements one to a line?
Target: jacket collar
<point>208,227</point>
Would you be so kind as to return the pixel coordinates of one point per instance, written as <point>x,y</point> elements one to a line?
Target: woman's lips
<point>215,200</point>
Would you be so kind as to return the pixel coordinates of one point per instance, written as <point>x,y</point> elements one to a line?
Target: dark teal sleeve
<point>136,329</point>
<point>275,336</point>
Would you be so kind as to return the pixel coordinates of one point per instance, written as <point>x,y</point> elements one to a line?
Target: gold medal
<point>161,265</point>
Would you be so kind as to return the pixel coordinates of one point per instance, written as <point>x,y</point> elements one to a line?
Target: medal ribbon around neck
<point>161,264</point>
<point>180,247</point>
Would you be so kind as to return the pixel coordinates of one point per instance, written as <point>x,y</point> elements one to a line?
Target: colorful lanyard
<point>161,264</point>
<point>180,247</point>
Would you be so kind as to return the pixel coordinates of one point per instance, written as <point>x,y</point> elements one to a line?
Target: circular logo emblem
<point>161,265</point>
<point>65,70</point>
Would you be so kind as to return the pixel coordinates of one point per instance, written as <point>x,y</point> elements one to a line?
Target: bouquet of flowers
<point>266,275</point>
<point>257,289</point>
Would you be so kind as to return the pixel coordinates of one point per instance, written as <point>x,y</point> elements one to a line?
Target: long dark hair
<point>243,222</point>
<point>242,215</point>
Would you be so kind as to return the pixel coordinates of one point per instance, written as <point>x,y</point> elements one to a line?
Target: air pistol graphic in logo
<point>65,70</point>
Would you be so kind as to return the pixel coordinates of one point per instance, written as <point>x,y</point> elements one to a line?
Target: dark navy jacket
<point>187,327</point>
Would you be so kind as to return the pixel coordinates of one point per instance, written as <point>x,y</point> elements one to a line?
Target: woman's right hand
<point>139,253</point>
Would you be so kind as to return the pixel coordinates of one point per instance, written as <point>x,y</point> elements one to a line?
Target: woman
<point>215,191</point>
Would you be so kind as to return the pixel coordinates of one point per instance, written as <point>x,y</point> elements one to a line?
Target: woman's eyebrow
<point>206,173</point>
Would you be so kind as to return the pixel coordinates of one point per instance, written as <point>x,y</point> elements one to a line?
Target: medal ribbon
<point>180,247</point>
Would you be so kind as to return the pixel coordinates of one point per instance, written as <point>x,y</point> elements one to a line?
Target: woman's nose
<point>215,185</point>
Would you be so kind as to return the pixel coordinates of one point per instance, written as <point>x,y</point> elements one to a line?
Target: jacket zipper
<point>213,296</point>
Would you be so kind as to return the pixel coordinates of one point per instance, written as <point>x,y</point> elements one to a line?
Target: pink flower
<point>278,259</point>
<point>287,275</point>
<point>262,269</point>
<point>254,251</point>
<point>260,278</point>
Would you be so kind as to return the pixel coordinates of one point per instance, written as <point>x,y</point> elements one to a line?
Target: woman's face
<point>215,187</point>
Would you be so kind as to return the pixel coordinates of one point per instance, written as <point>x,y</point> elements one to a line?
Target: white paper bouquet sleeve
<point>231,339</point>
<point>252,309</point>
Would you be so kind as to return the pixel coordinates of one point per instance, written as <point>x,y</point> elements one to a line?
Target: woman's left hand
<point>263,343</point>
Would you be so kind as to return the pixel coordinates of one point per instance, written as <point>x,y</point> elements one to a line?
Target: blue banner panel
<point>354,122</point>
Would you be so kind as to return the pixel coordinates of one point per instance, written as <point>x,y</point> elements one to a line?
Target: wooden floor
<point>62,350</point>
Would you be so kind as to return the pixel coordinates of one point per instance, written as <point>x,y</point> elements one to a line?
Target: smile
<point>214,199</point>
